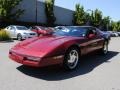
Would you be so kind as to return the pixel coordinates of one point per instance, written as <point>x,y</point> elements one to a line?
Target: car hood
<point>40,45</point>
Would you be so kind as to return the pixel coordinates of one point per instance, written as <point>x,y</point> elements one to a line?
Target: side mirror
<point>91,35</point>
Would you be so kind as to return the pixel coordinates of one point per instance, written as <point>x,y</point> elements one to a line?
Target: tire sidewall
<point>105,45</point>
<point>19,37</point>
<point>65,62</point>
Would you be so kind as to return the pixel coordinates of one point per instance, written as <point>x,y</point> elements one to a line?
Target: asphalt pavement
<point>95,72</point>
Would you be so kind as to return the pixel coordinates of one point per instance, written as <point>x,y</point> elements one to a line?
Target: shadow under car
<point>56,73</point>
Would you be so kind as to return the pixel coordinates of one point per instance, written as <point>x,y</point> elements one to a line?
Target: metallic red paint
<point>44,62</point>
<point>51,49</point>
<point>42,30</point>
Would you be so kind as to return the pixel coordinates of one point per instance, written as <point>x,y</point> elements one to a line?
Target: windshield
<point>21,28</point>
<point>71,31</point>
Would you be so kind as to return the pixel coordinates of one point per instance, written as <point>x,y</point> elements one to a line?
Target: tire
<point>71,58</point>
<point>104,50</point>
<point>19,37</point>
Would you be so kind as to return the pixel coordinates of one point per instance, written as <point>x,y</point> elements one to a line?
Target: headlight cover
<point>34,58</point>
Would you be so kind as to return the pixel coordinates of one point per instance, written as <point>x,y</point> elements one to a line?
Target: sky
<point>108,7</point>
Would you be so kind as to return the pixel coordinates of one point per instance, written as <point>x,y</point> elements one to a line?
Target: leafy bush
<point>4,35</point>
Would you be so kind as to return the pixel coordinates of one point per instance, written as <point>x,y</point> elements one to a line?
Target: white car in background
<point>113,33</point>
<point>20,32</point>
<point>118,33</point>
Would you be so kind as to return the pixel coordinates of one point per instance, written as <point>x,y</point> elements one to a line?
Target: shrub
<point>4,35</point>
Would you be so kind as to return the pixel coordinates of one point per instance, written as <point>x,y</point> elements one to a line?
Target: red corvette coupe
<point>41,30</point>
<point>64,46</point>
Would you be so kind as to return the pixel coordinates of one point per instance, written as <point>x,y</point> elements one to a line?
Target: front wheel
<point>71,59</point>
<point>19,37</point>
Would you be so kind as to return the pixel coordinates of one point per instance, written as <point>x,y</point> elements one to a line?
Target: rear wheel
<point>19,37</point>
<point>104,50</point>
<point>71,59</point>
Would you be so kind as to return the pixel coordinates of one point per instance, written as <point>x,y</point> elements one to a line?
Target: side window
<point>12,28</point>
<point>83,31</point>
<point>34,28</point>
<point>92,31</point>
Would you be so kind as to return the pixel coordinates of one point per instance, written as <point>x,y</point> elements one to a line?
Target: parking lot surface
<point>95,72</point>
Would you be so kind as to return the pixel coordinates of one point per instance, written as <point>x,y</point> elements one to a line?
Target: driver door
<point>93,40</point>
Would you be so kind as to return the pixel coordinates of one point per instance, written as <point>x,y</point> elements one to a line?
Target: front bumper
<point>28,36</point>
<point>42,63</point>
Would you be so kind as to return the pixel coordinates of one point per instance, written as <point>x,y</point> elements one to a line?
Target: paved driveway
<point>95,73</point>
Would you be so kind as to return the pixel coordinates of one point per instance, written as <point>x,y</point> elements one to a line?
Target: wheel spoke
<point>70,55</point>
<point>73,59</point>
<point>74,53</point>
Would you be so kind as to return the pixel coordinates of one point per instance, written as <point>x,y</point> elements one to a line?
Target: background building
<point>33,7</point>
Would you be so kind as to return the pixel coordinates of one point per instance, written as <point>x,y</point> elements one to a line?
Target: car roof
<point>16,26</point>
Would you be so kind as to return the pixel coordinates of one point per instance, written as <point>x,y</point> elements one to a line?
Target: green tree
<point>8,12</point>
<point>115,26</point>
<point>79,15</point>
<point>88,19</point>
<point>49,10</point>
<point>118,26</point>
<point>96,18</point>
<point>106,23</point>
